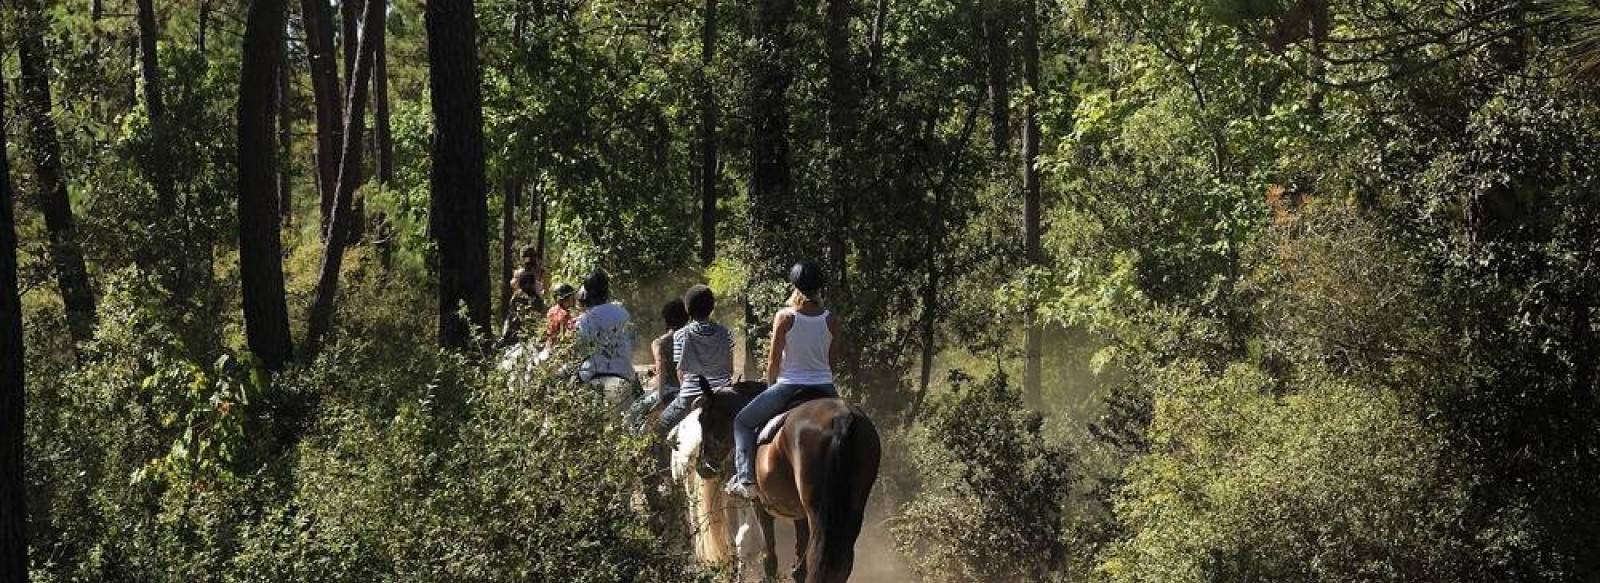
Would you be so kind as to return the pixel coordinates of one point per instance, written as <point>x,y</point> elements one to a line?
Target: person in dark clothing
<point>527,296</point>
<point>666,367</point>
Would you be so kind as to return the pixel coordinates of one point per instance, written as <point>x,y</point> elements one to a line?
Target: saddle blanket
<point>770,430</point>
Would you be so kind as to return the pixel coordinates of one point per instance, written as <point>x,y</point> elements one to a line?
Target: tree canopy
<point>1188,290</point>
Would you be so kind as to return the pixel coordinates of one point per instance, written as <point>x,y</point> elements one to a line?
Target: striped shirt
<point>704,349</point>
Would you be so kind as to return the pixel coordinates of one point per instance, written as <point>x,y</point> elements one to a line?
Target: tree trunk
<point>771,180</point>
<point>13,393</point>
<point>13,503</point>
<point>380,104</point>
<point>285,134</point>
<point>843,103</point>
<point>322,301</point>
<point>508,243</point>
<point>1032,337</point>
<point>266,317</point>
<point>708,138</point>
<point>1321,20</point>
<point>200,27</point>
<point>325,92</point>
<point>930,309</point>
<point>72,276</point>
<point>998,63</point>
<point>458,214</point>
<point>176,269</point>
<point>150,66</point>
<point>880,20</point>
<point>349,17</point>
<point>350,14</point>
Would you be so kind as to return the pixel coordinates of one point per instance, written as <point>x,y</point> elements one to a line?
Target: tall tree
<point>351,11</point>
<point>508,242</point>
<point>1031,226</point>
<point>322,300</point>
<point>708,137</point>
<point>175,268</point>
<point>458,213</point>
<point>771,177</point>
<point>317,20</point>
<point>72,276</point>
<point>843,103</point>
<point>349,19</point>
<point>202,23</point>
<point>285,134</point>
<point>150,68</point>
<point>771,180</point>
<point>380,103</point>
<point>266,317</point>
<point>13,393</point>
<point>997,58</point>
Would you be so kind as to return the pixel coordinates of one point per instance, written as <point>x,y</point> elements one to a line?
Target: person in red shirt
<point>559,320</point>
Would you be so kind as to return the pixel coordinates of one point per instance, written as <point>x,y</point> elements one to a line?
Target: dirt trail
<point>876,559</point>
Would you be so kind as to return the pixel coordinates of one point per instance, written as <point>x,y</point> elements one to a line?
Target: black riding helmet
<point>806,276</point>
<point>596,289</point>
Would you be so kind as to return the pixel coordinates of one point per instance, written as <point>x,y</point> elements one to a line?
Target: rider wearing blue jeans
<point>805,344</point>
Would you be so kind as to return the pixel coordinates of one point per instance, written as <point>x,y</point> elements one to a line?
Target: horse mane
<point>708,524</point>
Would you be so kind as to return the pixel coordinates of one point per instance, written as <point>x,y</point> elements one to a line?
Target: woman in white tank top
<point>805,345</point>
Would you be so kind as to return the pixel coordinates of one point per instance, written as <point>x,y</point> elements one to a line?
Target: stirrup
<point>741,489</point>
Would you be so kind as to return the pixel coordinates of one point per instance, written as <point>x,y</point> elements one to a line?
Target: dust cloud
<point>877,561</point>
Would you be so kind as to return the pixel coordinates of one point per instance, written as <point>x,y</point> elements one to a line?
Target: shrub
<point>1334,482</point>
<point>990,505</point>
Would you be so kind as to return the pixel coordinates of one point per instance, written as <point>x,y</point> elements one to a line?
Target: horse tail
<point>841,496</point>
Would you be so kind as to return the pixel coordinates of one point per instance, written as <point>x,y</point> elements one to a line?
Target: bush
<point>1334,482</point>
<point>991,502</point>
<point>369,464</point>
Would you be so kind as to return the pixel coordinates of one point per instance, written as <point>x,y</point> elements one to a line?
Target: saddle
<point>770,430</point>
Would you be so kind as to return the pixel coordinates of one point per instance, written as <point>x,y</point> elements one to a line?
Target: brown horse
<point>817,471</point>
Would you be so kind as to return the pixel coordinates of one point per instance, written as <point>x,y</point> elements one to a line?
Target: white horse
<point>722,528</point>
<point>522,363</point>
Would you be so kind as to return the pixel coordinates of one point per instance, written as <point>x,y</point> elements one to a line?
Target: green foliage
<point>1335,482</point>
<point>993,489</point>
<point>1387,373</point>
<point>210,408</point>
<point>458,477</point>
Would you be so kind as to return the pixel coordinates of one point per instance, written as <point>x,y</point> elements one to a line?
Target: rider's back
<point>604,330</point>
<point>704,349</point>
<point>805,350</point>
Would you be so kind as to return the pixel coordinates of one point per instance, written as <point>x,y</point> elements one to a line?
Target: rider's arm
<point>780,336</point>
<point>655,353</point>
<point>677,354</point>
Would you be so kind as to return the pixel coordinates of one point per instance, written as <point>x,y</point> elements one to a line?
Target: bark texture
<point>266,317</point>
<point>326,93</point>
<point>322,301</point>
<point>1032,228</point>
<point>66,254</point>
<point>13,503</point>
<point>459,215</point>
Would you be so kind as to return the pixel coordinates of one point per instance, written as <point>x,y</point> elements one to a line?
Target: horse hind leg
<point>769,559</point>
<point>802,539</point>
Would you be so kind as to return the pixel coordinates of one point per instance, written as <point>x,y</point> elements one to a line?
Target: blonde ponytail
<point>798,299</point>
